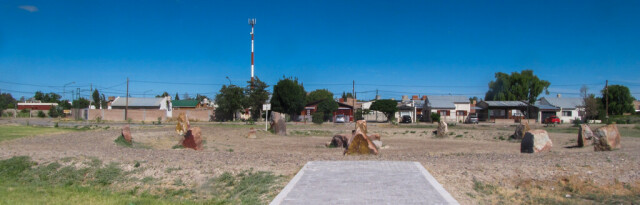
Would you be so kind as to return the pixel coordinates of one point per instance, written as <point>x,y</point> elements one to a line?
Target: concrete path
<point>363,182</point>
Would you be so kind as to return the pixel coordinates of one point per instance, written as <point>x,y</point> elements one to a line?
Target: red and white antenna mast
<point>252,22</point>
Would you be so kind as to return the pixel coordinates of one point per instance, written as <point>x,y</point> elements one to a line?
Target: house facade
<point>503,111</point>
<point>186,104</point>
<point>451,108</point>
<point>567,109</point>
<point>36,106</point>
<point>312,107</point>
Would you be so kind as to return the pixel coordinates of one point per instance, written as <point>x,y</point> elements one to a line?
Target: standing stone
<point>360,144</point>
<point>193,139</point>
<point>278,125</point>
<point>252,133</point>
<point>183,124</point>
<point>606,138</point>
<point>535,141</point>
<point>520,130</point>
<point>361,126</point>
<point>339,141</point>
<point>375,138</point>
<point>584,134</point>
<point>442,129</point>
<point>126,133</point>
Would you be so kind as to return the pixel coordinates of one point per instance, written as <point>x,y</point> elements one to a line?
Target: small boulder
<point>442,129</point>
<point>339,140</point>
<point>278,125</point>
<point>535,141</point>
<point>252,133</point>
<point>606,138</point>
<point>584,134</point>
<point>520,130</point>
<point>126,133</point>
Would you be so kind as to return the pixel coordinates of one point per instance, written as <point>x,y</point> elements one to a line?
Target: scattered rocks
<point>606,138</point>
<point>520,130</point>
<point>442,129</point>
<point>584,134</point>
<point>126,133</point>
<point>278,125</point>
<point>252,133</point>
<point>535,141</point>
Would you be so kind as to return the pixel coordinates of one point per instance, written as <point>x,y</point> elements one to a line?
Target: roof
<point>505,103</point>
<point>447,101</point>
<point>185,103</point>
<point>541,106</point>
<point>137,102</point>
<point>565,103</point>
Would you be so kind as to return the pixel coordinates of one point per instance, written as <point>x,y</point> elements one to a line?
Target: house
<point>36,106</point>
<point>372,115</point>
<point>636,106</point>
<point>186,104</point>
<point>312,107</point>
<point>410,107</point>
<point>452,108</point>
<point>567,109</point>
<point>162,103</point>
<point>503,111</point>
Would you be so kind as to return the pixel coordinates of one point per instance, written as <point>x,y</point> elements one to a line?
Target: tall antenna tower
<point>252,22</point>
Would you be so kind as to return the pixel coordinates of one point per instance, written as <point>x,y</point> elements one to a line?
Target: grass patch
<point>459,136</point>
<point>120,141</point>
<point>15,132</point>
<point>310,132</point>
<point>247,187</point>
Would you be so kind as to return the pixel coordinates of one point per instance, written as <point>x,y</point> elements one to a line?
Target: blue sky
<point>395,47</point>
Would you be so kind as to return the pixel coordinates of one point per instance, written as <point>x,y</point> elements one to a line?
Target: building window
<point>516,113</point>
<point>496,113</point>
<point>461,113</point>
<point>566,113</point>
<point>444,112</point>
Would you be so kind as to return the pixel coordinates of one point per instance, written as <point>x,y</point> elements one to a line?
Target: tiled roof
<point>505,103</point>
<point>137,102</point>
<point>447,101</point>
<point>565,103</point>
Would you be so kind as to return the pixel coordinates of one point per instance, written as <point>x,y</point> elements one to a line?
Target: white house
<point>567,109</point>
<point>372,116</point>
<point>162,103</point>
<point>452,108</point>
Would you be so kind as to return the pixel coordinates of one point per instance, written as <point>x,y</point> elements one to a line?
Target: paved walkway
<point>363,182</point>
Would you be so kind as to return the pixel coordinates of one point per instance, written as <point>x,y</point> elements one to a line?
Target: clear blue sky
<point>428,47</point>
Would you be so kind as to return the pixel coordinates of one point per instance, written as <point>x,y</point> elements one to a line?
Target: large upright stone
<point>193,139</point>
<point>278,125</point>
<point>360,144</point>
<point>442,129</point>
<point>584,134</point>
<point>520,130</point>
<point>606,138</point>
<point>361,126</point>
<point>183,124</point>
<point>535,141</point>
<point>126,133</point>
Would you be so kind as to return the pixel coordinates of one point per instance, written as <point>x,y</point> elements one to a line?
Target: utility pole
<point>252,22</point>
<point>353,90</point>
<point>606,97</point>
<point>126,106</point>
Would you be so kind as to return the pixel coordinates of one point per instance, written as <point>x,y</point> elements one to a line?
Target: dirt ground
<point>470,152</point>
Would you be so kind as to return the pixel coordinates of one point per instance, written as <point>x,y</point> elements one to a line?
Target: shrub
<point>41,114</point>
<point>435,117</point>
<point>159,120</point>
<point>122,142</point>
<point>11,168</point>
<point>317,117</point>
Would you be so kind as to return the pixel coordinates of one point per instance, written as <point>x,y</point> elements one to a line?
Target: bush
<point>11,168</point>
<point>41,114</point>
<point>317,117</point>
<point>435,117</point>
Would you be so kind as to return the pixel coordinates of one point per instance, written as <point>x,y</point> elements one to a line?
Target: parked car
<point>406,119</point>
<point>552,120</point>
<point>340,119</point>
<point>472,119</point>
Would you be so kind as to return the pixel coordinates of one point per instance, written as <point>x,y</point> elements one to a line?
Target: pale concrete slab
<point>363,182</point>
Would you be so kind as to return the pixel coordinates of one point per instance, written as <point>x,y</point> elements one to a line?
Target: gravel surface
<point>471,152</point>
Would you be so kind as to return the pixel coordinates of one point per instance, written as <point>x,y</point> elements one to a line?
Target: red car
<point>552,120</point>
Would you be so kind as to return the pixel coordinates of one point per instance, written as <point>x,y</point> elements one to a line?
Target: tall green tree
<point>200,98</point>
<point>518,86</point>
<point>177,97</point>
<point>48,97</point>
<point>319,94</point>
<point>230,100</point>
<point>256,96</point>
<point>96,98</point>
<point>346,95</point>
<point>620,100</point>
<point>81,103</point>
<point>327,104</point>
<point>6,101</point>
<point>387,106</point>
<point>288,97</point>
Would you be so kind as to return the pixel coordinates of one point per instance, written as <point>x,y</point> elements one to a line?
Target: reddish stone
<point>535,141</point>
<point>584,134</point>
<point>126,133</point>
<point>606,138</point>
<point>193,139</point>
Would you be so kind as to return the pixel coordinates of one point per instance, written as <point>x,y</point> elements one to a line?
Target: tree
<point>81,103</point>
<point>230,100</point>
<point>474,98</point>
<point>6,101</point>
<point>47,98</point>
<point>288,97</point>
<point>327,104</point>
<point>256,97</point>
<point>96,98</point>
<point>387,106</point>
<point>517,86</point>
<point>620,100</point>
<point>164,94</point>
<point>65,104</point>
<point>103,102</point>
<point>177,97</point>
<point>200,98</point>
<point>346,95</point>
<point>590,104</point>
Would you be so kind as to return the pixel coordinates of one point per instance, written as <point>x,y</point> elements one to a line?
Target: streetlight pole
<point>229,80</point>
<point>64,89</point>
